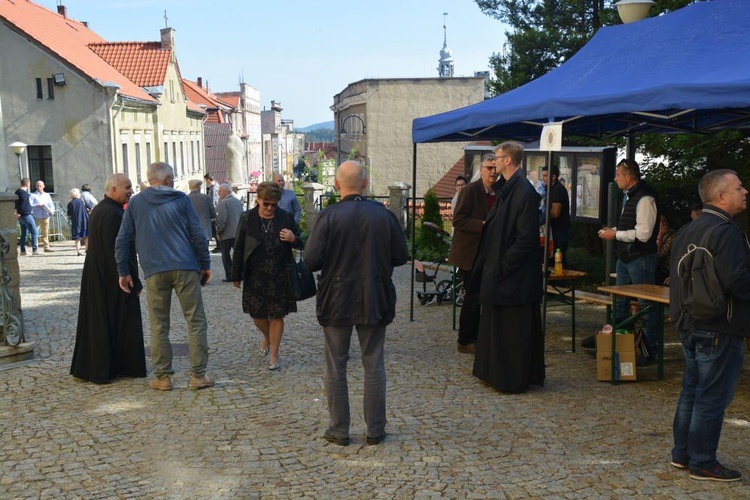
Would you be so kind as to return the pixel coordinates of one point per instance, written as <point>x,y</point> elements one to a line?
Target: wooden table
<point>564,290</point>
<point>658,296</point>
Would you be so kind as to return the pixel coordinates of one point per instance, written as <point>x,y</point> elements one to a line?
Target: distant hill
<point>314,126</point>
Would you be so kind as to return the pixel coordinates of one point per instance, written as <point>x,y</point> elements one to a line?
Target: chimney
<point>200,82</point>
<point>63,11</point>
<point>167,38</point>
<point>85,23</point>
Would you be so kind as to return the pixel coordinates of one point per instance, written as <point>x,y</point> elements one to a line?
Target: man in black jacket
<point>713,349</point>
<point>355,244</point>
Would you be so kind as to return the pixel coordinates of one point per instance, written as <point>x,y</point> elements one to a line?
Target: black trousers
<point>468,320</point>
<point>226,257</point>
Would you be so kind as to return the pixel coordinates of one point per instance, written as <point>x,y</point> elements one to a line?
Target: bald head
<point>118,188</point>
<point>351,178</point>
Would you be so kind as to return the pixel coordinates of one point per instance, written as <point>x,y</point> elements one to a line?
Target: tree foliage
<point>546,33</point>
<point>319,135</point>
<point>429,246</point>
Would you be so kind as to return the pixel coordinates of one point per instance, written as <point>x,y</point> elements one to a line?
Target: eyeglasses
<point>268,204</point>
<point>491,169</point>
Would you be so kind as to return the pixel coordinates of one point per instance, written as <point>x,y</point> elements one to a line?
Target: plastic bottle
<point>558,262</point>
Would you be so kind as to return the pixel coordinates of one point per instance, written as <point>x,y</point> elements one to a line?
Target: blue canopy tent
<point>687,71</point>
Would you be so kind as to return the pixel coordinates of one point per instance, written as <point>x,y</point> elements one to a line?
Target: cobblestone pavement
<point>259,433</point>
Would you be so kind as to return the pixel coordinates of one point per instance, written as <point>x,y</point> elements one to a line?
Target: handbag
<point>301,280</point>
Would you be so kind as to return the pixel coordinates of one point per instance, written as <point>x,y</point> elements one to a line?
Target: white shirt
<point>645,221</point>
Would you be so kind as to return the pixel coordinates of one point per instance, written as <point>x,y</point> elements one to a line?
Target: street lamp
<point>18,148</point>
<point>342,130</point>
<point>633,10</point>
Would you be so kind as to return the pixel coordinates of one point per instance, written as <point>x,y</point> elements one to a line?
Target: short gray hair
<point>75,193</point>
<point>488,157</point>
<point>713,183</point>
<point>159,171</point>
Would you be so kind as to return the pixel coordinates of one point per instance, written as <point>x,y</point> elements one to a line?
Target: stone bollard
<point>397,197</point>
<point>310,211</point>
<point>8,225</point>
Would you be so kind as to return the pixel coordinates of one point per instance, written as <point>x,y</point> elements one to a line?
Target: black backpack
<point>703,297</point>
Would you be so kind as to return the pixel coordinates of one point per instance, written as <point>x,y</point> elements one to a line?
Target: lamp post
<point>342,131</point>
<point>18,148</point>
<point>633,10</point>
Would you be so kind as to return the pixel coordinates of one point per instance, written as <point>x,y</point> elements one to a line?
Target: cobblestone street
<point>259,433</point>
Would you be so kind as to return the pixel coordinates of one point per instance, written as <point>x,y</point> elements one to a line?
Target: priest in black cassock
<point>507,270</point>
<point>109,338</point>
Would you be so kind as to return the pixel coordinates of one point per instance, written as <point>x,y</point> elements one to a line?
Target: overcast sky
<point>301,52</point>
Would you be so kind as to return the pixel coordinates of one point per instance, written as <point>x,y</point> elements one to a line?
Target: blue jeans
<point>641,270</point>
<point>712,366</point>
<point>28,226</point>
<point>371,342</point>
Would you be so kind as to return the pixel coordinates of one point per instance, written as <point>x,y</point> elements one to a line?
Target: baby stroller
<point>444,289</point>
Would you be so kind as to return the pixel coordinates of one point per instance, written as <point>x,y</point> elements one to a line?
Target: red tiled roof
<point>231,98</point>
<point>144,63</point>
<point>207,101</point>
<point>446,186</point>
<point>68,40</point>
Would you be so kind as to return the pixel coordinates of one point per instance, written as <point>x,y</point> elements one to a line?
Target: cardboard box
<point>625,357</point>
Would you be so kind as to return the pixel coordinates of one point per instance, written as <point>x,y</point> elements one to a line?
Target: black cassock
<point>109,337</point>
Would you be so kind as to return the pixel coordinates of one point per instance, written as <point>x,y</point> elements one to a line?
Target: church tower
<point>445,65</point>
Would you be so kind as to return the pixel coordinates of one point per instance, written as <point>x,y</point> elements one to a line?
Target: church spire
<point>445,65</point>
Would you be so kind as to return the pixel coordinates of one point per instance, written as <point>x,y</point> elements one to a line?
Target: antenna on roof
<point>166,20</point>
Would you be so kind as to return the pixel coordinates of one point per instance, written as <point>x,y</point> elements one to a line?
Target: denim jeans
<point>712,366</point>
<point>187,287</point>
<point>639,270</point>
<point>371,341</point>
<point>28,226</point>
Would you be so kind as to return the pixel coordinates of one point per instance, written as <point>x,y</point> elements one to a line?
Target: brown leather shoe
<point>161,384</point>
<point>467,348</point>
<point>200,382</point>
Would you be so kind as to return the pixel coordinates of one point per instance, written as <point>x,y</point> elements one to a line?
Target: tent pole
<point>545,260</point>
<point>413,226</point>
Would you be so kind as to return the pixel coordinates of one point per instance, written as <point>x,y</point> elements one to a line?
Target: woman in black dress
<point>262,255</point>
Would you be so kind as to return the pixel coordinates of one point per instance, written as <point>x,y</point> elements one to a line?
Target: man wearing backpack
<point>713,348</point>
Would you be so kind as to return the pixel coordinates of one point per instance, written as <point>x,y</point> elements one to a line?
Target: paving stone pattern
<point>258,433</point>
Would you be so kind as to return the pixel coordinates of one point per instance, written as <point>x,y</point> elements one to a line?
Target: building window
<point>176,168</point>
<point>192,156</point>
<point>138,173</point>
<point>50,88</point>
<point>40,166</point>
<point>198,146</point>
<point>125,164</point>
<point>166,151</point>
<point>39,94</point>
<point>185,166</point>
<point>148,154</point>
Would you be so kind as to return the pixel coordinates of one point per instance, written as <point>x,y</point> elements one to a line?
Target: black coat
<point>731,252</point>
<point>109,336</point>
<point>248,238</point>
<point>508,266</point>
<point>356,243</point>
